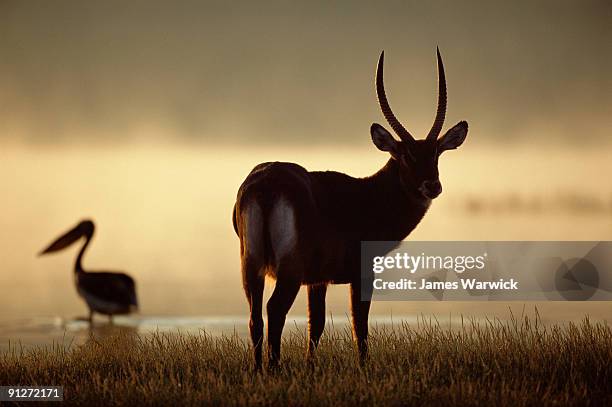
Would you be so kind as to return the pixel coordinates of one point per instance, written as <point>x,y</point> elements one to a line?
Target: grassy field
<point>497,363</point>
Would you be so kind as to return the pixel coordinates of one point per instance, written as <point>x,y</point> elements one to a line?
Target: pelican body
<point>108,293</point>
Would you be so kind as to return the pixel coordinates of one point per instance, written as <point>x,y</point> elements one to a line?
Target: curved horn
<point>441,113</point>
<point>384,104</point>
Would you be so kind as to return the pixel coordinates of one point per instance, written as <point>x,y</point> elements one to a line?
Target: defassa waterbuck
<point>305,227</point>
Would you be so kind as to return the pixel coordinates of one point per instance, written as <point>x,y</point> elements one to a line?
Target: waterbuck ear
<point>454,137</point>
<point>383,140</point>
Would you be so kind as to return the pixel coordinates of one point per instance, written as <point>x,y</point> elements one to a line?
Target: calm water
<point>163,215</point>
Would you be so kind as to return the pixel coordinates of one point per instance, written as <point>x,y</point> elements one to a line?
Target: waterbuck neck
<point>395,209</point>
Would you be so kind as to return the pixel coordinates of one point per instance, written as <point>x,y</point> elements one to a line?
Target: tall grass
<point>513,363</point>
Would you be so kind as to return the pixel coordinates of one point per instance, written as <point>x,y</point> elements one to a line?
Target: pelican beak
<point>64,241</point>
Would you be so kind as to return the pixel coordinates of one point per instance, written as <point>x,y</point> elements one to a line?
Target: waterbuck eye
<point>408,157</point>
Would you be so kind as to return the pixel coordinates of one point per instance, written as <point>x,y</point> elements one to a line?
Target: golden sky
<point>248,82</point>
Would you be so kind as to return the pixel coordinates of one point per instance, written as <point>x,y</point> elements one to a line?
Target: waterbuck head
<point>417,159</point>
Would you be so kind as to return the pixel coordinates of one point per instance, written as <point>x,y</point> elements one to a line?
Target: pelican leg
<point>90,318</point>
<point>110,319</point>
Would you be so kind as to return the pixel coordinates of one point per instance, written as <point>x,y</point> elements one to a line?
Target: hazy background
<point>147,116</point>
<point>300,72</point>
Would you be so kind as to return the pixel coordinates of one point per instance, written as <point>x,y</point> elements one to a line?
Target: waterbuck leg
<point>316,315</point>
<point>279,304</point>
<point>253,283</point>
<point>360,310</point>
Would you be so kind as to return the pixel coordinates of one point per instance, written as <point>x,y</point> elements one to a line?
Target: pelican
<point>105,292</point>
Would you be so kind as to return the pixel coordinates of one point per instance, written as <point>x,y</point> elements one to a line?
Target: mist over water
<point>239,72</point>
<point>164,216</point>
<point>147,116</point>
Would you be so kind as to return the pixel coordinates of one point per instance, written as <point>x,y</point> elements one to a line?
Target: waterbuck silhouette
<point>305,227</point>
